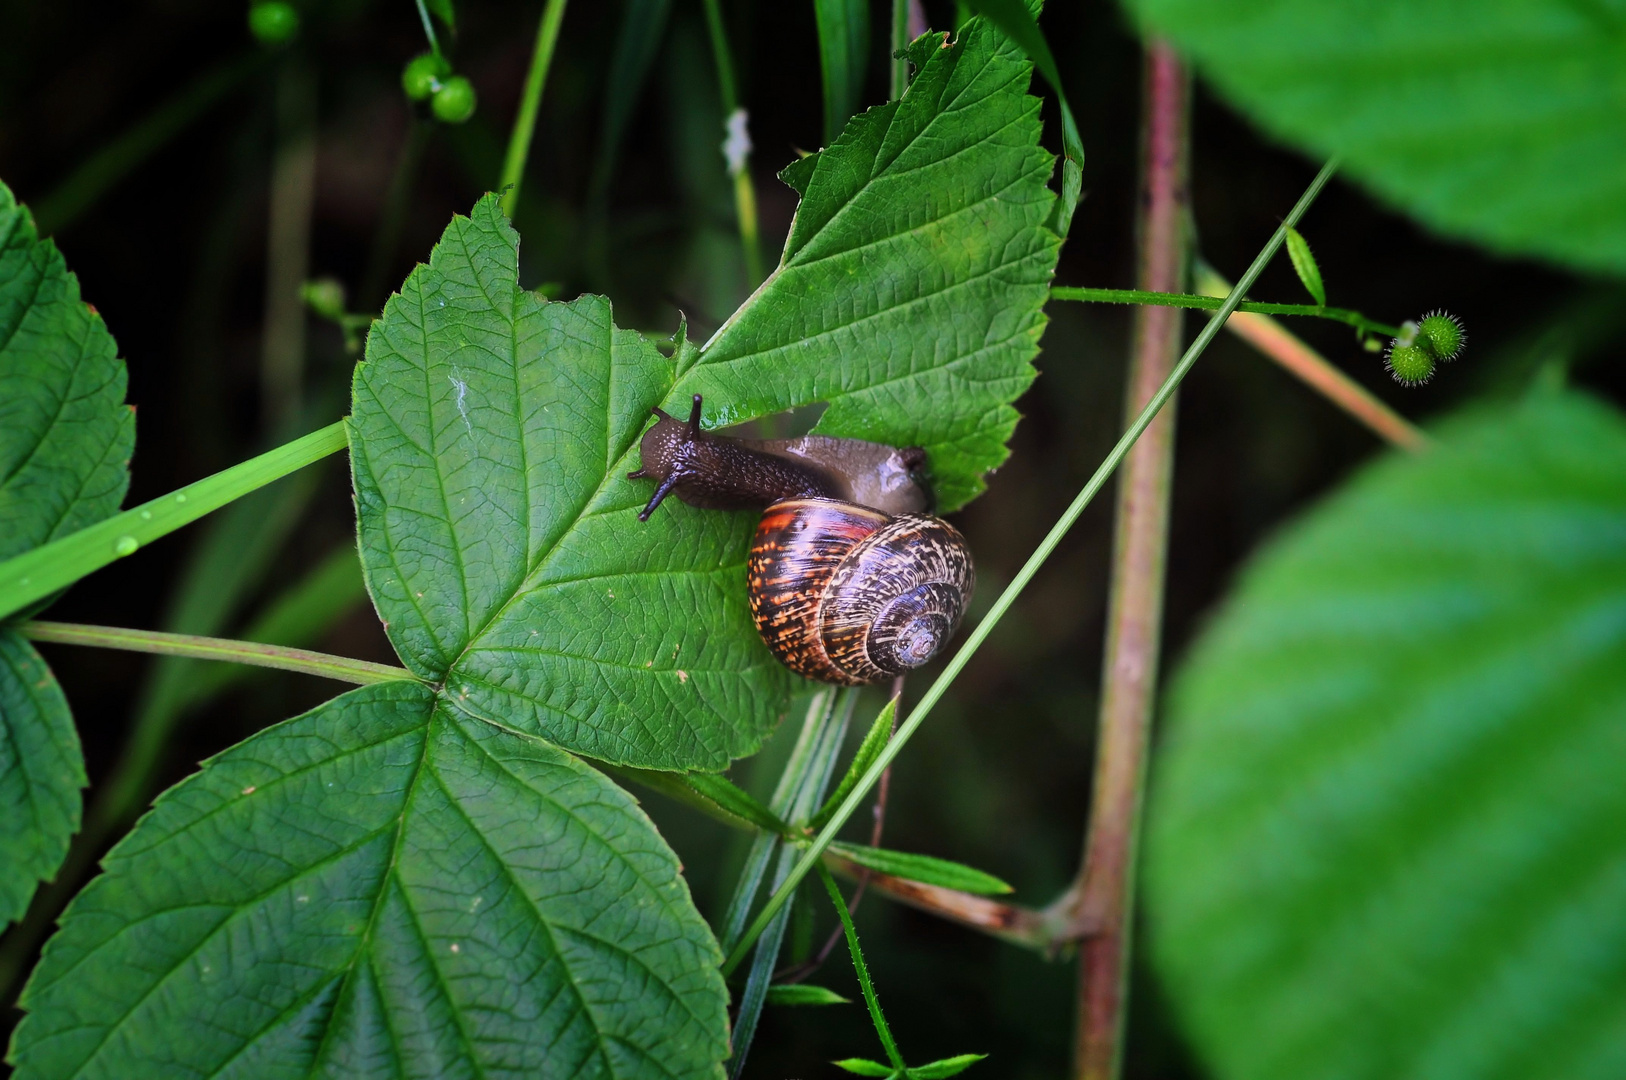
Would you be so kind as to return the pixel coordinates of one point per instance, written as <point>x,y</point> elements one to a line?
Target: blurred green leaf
<point>41,774</point>
<point>804,994</point>
<point>643,24</point>
<point>1304,265</point>
<point>1385,836</point>
<point>945,1067</point>
<point>382,885</point>
<point>903,864</point>
<point>843,59</point>
<point>864,1067</point>
<point>65,432</point>
<point>911,289</point>
<point>1498,121</point>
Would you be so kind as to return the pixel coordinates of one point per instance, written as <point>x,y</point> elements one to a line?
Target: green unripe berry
<point>1444,334</point>
<point>273,22</point>
<point>325,297</point>
<point>1411,365</point>
<point>422,74</point>
<point>454,101</point>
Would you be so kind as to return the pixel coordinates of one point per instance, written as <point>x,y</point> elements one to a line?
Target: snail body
<point>842,590</point>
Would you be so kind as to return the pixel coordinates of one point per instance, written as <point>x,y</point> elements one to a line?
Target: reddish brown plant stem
<point>1106,895</point>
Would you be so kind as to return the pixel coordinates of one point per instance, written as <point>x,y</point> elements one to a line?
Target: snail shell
<point>845,594</point>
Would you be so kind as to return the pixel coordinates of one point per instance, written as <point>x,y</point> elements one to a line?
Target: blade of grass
<point>1000,606</point>
<point>643,23</point>
<point>530,103</point>
<point>43,571</point>
<point>843,58</point>
<point>801,786</point>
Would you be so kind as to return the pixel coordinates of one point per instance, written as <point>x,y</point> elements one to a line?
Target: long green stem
<point>1212,303</point>
<point>530,103</point>
<point>864,984</point>
<point>36,574</point>
<point>281,657</point>
<point>79,192</point>
<point>428,27</point>
<point>1000,606</point>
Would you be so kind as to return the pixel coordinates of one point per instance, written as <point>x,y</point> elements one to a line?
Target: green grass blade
<point>843,58</point>
<point>37,574</point>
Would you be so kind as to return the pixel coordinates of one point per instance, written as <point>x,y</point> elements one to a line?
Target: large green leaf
<point>1495,120</point>
<point>492,431</point>
<point>910,292</point>
<point>382,887</point>
<point>65,441</point>
<point>1386,836</point>
<point>65,432</point>
<point>41,774</point>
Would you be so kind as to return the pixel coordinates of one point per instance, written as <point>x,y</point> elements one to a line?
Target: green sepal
<point>943,1067</point>
<point>1304,264</point>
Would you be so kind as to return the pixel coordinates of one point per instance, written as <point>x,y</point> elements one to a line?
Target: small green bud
<point>1411,365</point>
<point>325,298</point>
<point>422,75</point>
<point>1444,334</point>
<point>454,101</point>
<point>273,22</point>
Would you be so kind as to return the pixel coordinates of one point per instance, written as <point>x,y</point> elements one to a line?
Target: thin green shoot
<point>882,1030</point>
<point>530,104</point>
<point>198,647</point>
<point>1213,303</point>
<point>429,28</point>
<point>815,851</point>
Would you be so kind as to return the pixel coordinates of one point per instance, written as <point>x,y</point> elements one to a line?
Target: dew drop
<point>146,515</point>
<point>181,497</point>
<point>125,545</point>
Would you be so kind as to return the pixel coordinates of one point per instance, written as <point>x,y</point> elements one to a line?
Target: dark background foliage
<point>174,257</point>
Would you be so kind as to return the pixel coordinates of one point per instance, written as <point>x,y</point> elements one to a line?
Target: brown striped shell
<point>845,594</point>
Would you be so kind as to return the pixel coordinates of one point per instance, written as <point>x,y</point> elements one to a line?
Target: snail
<point>849,580</point>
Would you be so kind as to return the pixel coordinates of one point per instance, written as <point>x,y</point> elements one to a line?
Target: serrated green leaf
<point>491,435</point>
<point>65,442</point>
<point>843,58</point>
<point>1498,121</point>
<point>910,293</point>
<point>491,431</point>
<point>41,774</point>
<point>925,868</point>
<point>875,741</point>
<point>864,1067</point>
<point>945,1067</point>
<point>65,432</point>
<point>382,887</point>
<point>804,994</point>
<point>1385,830</point>
<point>1304,265</point>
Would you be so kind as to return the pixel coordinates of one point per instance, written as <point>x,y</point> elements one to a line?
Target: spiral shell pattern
<point>844,594</point>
